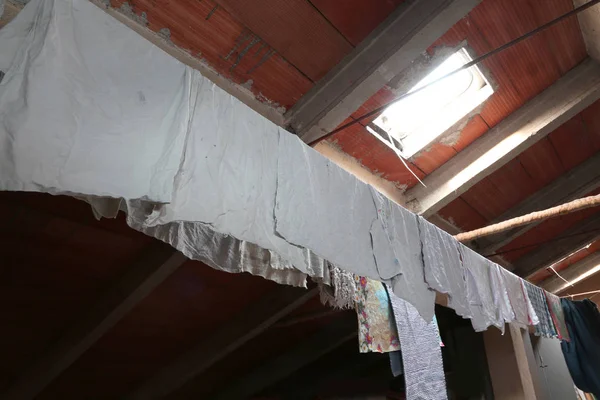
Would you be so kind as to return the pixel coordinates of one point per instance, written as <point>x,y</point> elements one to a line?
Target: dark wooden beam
<point>250,323</point>
<point>575,184</point>
<point>406,34</point>
<point>263,376</point>
<point>150,270</point>
<point>549,253</point>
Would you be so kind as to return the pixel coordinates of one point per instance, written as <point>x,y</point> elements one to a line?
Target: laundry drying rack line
<point>468,65</point>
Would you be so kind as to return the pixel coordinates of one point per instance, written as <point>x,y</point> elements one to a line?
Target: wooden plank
<point>386,52</point>
<point>575,184</point>
<point>556,285</point>
<point>149,271</point>
<point>547,254</point>
<point>248,325</point>
<point>532,122</point>
<point>319,344</point>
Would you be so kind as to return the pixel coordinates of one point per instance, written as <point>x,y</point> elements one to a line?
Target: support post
<point>511,364</point>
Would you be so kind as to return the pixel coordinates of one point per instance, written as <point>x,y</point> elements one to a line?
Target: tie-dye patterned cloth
<point>376,328</point>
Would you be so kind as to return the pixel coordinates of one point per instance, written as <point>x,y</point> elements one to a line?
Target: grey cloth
<point>421,353</point>
<point>540,306</point>
<point>444,271</point>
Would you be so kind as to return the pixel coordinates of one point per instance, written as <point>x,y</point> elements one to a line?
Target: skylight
<point>413,123</point>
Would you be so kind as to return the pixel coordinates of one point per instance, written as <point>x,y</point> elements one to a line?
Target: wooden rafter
<point>319,344</point>
<point>228,338</point>
<point>385,53</point>
<point>158,263</point>
<point>556,284</point>
<point>549,253</point>
<point>537,216</point>
<point>577,183</point>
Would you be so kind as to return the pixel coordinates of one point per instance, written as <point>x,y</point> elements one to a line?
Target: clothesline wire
<point>464,67</point>
<point>498,253</point>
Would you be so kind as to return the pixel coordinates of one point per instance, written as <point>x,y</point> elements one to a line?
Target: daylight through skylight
<point>415,122</point>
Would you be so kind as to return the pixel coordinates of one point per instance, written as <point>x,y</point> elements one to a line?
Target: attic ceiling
<point>273,52</point>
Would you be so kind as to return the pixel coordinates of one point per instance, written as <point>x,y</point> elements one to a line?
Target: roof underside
<point>59,260</point>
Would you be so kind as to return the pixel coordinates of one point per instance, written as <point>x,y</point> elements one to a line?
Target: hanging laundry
<point>558,316</point>
<point>376,329</point>
<point>444,271</point>
<point>397,249</point>
<point>504,308</point>
<point>396,363</point>
<point>533,318</point>
<point>421,352</point>
<point>340,291</point>
<point>479,290</point>
<point>582,353</point>
<point>516,296</point>
<point>540,306</point>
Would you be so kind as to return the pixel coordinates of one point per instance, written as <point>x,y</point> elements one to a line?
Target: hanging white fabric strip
<point>444,271</point>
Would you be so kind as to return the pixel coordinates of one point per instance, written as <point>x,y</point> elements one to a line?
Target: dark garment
<point>396,363</point>
<point>582,353</point>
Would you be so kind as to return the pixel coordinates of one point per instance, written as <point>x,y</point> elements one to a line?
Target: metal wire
<point>466,66</point>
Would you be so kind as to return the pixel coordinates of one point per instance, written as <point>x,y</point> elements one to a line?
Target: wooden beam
<point>535,120</point>
<point>575,184</point>
<point>151,269</point>
<point>390,49</point>
<point>247,325</point>
<point>556,285</point>
<point>319,344</point>
<point>547,254</point>
<point>588,22</point>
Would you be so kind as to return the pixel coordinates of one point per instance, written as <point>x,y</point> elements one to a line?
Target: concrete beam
<point>589,20</point>
<point>575,184</point>
<point>390,49</point>
<point>535,120</point>
<point>557,285</point>
<point>152,268</point>
<point>551,252</point>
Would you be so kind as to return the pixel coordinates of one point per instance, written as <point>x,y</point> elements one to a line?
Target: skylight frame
<point>447,117</point>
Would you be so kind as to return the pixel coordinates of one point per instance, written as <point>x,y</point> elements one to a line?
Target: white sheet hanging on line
<point>321,207</point>
<point>444,271</point>
<point>479,290</point>
<point>516,296</point>
<point>87,111</point>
